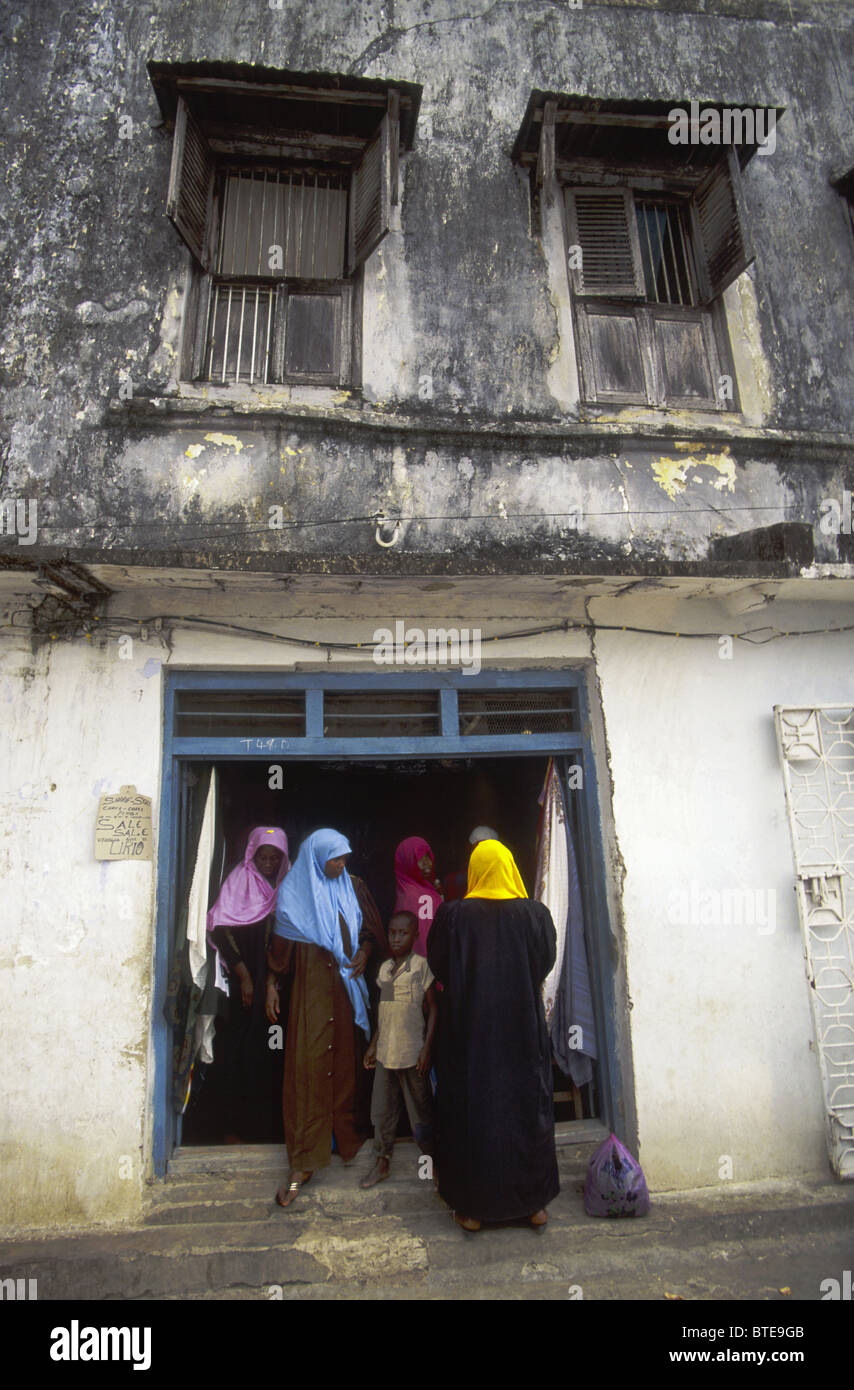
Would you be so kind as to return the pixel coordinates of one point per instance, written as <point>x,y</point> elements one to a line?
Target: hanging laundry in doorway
<point>566,991</point>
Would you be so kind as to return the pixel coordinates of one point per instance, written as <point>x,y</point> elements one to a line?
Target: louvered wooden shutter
<point>603,222</point>
<point>191,184</point>
<point>370,197</point>
<point>721,239</point>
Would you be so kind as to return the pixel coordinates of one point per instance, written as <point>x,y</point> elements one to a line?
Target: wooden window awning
<point>626,134</point>
<point>289,103</point>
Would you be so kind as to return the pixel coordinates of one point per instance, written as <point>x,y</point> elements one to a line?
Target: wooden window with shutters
<point>647,271</point>
<point>278,247</point>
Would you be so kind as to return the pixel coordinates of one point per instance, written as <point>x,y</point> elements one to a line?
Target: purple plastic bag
<point>615,1184</point>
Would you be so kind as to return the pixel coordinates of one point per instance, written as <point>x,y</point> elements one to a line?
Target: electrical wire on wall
<point>159,624</point>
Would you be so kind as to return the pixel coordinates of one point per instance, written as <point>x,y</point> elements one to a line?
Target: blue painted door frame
<point>576,746</point>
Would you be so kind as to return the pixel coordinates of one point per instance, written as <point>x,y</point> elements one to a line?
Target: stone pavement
<point>212,1234</point>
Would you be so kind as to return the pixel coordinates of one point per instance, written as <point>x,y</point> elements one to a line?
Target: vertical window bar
<point>276,196</point>
<point>254,336</point>
<point>261,228</point>
<point>288,201</point>
<point>659,212</point>
<point>248,225</point>
<point>682,266</point>
<point>273,294</point>
<point>314,228</point>
<point>298,270</point>
<point>685,258</point>
<point>672,214</point>
<point>674,295</point>
<point>227,327</point>
<point>652,287</point>
<point>212,330</point>
<point>240,332</point>
<point>225,201</point>
<point>329,185</point>
<point>207,324</point>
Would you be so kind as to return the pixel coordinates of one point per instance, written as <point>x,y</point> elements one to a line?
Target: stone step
<point>219,1186</point>
<point>578,1137</point>
<point>307,1254</point>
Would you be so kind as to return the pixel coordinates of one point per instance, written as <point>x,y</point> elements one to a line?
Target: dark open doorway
<point>375,804</point>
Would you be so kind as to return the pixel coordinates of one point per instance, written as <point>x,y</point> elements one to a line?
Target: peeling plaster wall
<point>76,952</point>
<point>464,315</point>
<point>210,492</point>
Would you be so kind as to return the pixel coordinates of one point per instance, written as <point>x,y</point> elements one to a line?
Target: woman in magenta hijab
<point>417,891</point>
<point>240,924</point>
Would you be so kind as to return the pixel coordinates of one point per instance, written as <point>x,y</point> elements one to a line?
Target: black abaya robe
<point>495,1113</point>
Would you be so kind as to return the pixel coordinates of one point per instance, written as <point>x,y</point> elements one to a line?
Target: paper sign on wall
<point>123,826</point>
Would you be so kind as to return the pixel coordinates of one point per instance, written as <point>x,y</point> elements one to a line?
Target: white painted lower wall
<point>720,1022</point>
<point>722,1034</point>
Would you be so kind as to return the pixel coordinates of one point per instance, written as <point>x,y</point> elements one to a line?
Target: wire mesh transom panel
<point>490,712</point>
<point>665,253</point>
<point>239,714</point>
<point>367,714</point>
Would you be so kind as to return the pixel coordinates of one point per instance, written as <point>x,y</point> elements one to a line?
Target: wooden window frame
<point>342,292</point>
<point>194,205</point>
<point>708,315</point>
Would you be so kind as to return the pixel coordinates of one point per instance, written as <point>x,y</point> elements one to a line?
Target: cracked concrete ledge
<point>599,433</point>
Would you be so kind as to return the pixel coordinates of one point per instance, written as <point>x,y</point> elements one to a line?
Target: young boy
<point>400,1048</point>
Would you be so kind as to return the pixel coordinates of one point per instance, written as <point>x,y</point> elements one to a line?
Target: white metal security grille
<point>817,752</point>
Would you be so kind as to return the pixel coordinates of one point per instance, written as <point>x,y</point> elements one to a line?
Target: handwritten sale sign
<point>123,826</point>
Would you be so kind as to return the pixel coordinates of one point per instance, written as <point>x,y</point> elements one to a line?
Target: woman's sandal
<point>468,1223</point>
<point>539,1219</point>
<point>293,1188</point>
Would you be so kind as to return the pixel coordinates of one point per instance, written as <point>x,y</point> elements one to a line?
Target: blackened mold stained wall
<point>94,271</point>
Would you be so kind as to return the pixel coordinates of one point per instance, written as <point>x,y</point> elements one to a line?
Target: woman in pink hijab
<point>417,888</point>
<point>240,924</point>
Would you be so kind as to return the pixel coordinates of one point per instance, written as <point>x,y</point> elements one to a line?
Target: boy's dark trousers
<point>390,1087</point>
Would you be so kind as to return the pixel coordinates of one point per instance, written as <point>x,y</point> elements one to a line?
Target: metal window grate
<point>240,330</point>
<point>227,714</point>
<point>664,246</point>
<point>366,714</point>
<point>274,223</point>
<point>493,712</point>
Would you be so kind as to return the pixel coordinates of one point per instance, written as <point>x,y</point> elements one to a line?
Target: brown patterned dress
<point>325,1084</point>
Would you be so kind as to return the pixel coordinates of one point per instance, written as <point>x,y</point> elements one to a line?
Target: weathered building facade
<point>444,331</point>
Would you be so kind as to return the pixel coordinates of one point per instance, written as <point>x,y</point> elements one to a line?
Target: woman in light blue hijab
<point>327,927</point>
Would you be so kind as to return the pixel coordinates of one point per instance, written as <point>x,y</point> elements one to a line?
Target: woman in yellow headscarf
<point>495,1116</point>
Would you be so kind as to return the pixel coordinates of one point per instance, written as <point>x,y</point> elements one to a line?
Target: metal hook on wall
<point>382,520</point>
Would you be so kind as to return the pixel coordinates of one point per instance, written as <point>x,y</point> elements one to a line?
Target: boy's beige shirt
<point>401,1024</point>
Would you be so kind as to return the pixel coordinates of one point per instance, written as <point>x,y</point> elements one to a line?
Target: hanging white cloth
<point>197,910</point>
<point>551,884</point>
<point>197,935</point>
